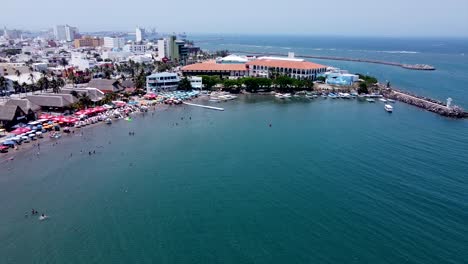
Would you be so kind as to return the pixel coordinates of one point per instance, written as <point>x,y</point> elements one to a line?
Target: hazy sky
<point>336,17</point>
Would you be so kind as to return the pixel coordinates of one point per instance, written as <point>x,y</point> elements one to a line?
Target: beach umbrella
<point>17,131</point>
<point>45,116</point>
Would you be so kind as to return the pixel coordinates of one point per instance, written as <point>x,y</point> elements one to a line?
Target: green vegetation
<point>369,80</point>
<point>321,79</point>
<point>210,81</point>
<point>185,84</point>
<point>363,88</point>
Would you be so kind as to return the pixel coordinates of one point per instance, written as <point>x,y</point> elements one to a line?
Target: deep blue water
<point>449,56</point>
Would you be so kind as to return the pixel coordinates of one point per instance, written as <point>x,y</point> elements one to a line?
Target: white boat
<point>279,95</point>
<point>390,100</point>
<point>383,100</point>
<point>370,100</point>
<point>388,108</point>
<point>287,95</point>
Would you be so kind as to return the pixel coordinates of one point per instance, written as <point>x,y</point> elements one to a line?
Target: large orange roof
<point>213,66</point>
<point>302,65</point>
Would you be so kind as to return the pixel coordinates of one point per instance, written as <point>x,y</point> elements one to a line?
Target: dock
<point>421,67</point>
<point>205,106</point>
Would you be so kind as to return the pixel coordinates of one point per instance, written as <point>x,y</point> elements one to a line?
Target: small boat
<point>332,96</point>
<point>388,108</point>
<point>383,100</point>
<point>108,121</point>
<point>390,100</point>
<point>370,100</point>
<point>287,95</point>
<point>279,95</point>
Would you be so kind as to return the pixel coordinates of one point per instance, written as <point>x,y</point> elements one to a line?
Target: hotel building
<point>294,68</point>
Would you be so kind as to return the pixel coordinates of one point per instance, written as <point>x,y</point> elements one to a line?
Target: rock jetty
<point>426,103</point>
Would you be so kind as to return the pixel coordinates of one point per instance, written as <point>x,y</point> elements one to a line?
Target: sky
<point>409,18</point>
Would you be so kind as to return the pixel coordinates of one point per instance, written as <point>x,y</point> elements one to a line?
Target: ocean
<point>331,181</point>
<point>449,56</point>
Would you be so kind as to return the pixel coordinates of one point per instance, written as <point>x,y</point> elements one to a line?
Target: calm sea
<point>331,181</point>
<point>449,56</point>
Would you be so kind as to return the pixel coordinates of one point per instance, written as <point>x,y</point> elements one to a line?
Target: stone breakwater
<point>421,67</point>
<point>426,103</point>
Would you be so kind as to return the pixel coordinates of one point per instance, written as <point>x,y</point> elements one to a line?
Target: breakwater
<point>422,67</point>
<point>425,103</point>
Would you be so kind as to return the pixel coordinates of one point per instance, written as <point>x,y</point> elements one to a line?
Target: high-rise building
<point>70,33</point>
<point>11,33</point>
<point>139,34</point>
<point>163,50</point>
<point>65,32</point>
<point>114,43</point>
<point>172,48</point>
<point>59,32</point>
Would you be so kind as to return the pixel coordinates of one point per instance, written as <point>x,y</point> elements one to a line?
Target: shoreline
<point>26,149</point>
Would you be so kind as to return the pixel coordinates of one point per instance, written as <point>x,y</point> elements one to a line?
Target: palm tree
<point>16,87</point>
<point>32,79</point>
<point>85,100</point>
<point>3,85</point>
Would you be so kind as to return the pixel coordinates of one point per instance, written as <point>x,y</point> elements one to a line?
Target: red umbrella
<point>17,131</point>
<point>45,116</point>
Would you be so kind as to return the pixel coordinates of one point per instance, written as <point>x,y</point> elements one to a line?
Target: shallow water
<point>331,181</point>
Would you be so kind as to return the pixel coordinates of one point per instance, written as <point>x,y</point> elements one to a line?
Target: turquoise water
<point>331,181</point>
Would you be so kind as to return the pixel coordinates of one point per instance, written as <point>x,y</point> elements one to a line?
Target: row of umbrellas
<point>95,110</point>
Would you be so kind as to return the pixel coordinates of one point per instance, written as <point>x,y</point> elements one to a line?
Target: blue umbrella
<point>8,142</point>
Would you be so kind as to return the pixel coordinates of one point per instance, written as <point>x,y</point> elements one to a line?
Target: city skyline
<point>359,18</point>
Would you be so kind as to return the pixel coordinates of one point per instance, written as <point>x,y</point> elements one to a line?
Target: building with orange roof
<point>213,68</point>
<point>290,66</point>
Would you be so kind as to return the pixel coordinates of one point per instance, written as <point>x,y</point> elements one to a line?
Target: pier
<point>426,103</point>
<point>205,106</point>
<point>421,67</point>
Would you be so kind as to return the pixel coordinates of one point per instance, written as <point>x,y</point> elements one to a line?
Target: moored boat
<point>370,100</point>
<point>383,100</point>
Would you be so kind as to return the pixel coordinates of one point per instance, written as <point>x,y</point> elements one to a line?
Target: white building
<point>116,55</point>
<point>196,82</point>
<point>59,32</point>
<point>135,48</point>
<point>163,48</point>
<point>146,58</point>
<point>139,34</point>
<point>162,81</point>
<point>114,43</point>
<point>65,32</point>
<point>80,61</point>
<point>70,33</point>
